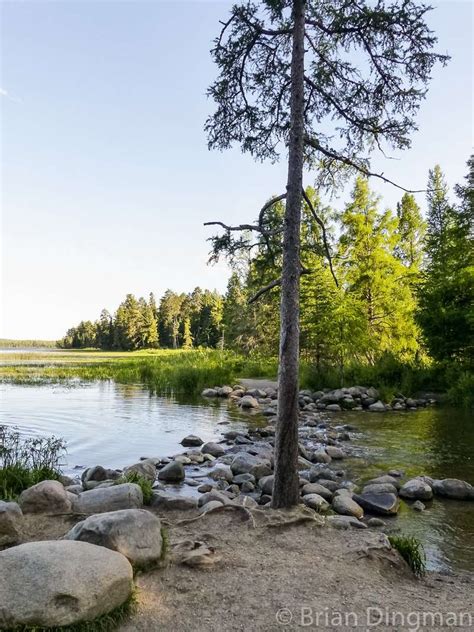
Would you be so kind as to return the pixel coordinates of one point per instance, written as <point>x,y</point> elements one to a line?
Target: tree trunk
<point>286,485</point>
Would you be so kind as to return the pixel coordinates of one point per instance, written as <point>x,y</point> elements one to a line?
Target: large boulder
<point>377,407</point>
<point>335,452</point>
<point>316,502</point>
<point>212,496</point>
<point>344,505</point>
<point>383,504</point>
<point>214,449</point>
<point>104,499</point>
<point>380,488</point>
<point>266,484</point>
<point>145,469</point>
<point>59,583</point>
<point>135,533</point>
<point>172,472</point>
<point>316,488</point>
<point>243,463</point>
<point>165,500</point>
<point>221,472</point>
<point>11,518</point>
<point>45,497</point>
<point>247,401</point>
<point>192,441</point>
<point>416,489</point>
<point>385,478</point>
<point>453,488</point>
<point>98,473</point>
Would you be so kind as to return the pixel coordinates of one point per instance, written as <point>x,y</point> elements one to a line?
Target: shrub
<point>25,462</point>
<point>145,485</point>
<point>412,552</point>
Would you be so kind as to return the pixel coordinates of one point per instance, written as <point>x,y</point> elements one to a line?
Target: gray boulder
<point>192,441</point>
<point>99,473</point>
<point>382,504</point>
<point>335,453</point>
<point>380,488</point>
<point>135,533</point>
<point>316,488</point>
<point>212,504</point>
<point>380,480</point>
<point>316,502</point>
<point>247,401</point>
<point>343,504</point>
<point>214,449</point>
<point>172,472</point>
<point>209,392</point>
<point>453,488</point>
<point>59,583</point>
<point>334,408</point>
<point>244,478</point>
<point>221,472</point>
<point>45,497</point>
<point>321,456</point>
<point>165,500</point>
<point>377,407</point>
<point>11,518</point>
<point>104,499</point>
<point>266,484</point>
<point>244,463</point>
<point>214,495</point>
<point>416,489</point>
<point>344,522</point>
<point>145,468</point>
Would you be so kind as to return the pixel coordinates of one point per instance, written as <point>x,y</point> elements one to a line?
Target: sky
<point>106,179</point>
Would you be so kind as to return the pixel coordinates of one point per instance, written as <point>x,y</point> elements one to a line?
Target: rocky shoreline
<point>235,471</point>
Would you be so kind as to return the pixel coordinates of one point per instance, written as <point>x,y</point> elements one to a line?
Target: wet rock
<point>173,472</point>
<point>202,489</point>
<point>165,500</point>
<point>383,504</point>
<point>379,480</point>
<point>192,441</point>
<point>418,506</point>
<point>453,488</point>
<point>135,533</point>
<point>45,497</point>
<point>221,472</point>
<point>377,407</point>
<point>125,496</point>
<point>380,488</point>
<point>343,504</point>
<point>145,469</point>
<point>209,392</point>
<point>335,453</point>
<point>316,502</point>
<point>247,401</point>
<point>214,449</point>
<point>59,583</point>
<point>11,519</point>
<point>243,478</point>
<point>416,489</point>
<point>224,391</point>
<point>375,522</point>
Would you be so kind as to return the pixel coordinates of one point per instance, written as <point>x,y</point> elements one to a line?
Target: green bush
<point>145,485</point>
<point>412,552</point>
<point>25,462</point>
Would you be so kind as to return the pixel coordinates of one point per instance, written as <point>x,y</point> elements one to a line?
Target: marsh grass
<point>145,485</point>
<point>25,462</point>
<point>412,551</point>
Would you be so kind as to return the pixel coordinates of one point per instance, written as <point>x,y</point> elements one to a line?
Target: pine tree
<point>411,231</point>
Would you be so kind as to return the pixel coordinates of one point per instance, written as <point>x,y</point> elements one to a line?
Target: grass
<point>412,552</point>
<point>7,343</point>
<point>25,462</point>
<point>145,485</point>
<point>104,623</point>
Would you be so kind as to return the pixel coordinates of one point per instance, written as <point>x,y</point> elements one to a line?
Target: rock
<point>202,489</point>
<point>331,485</point>
<point>344,505</point>
<point>416,489</point>
<point>214,449</point>
<point>45,497</point>
<point>247,487</point>
<point>135,533</point>
<point>244,463</point>
<point>183,459</point>
<point>384,479</point>
<point>222,472</point>
<point>165,500</point>
<point>316,488</point>
<point>418,506</point>
<point>345,522</point>
<point>244,478</point>
<point>321,456</point>
<point>335,453</point>
<point>209,392</point>
<point>99,473</point>
<point>453,488</point>
<point>173,472</point>
<point>74,489</point>
<point>380,488</point>
<point>214,495</point>
<point>373,392</point>
<point>11,518</point>
<point>146,469</point>
<point>383,504</point>
<point>375,522</point>
<point>316,502</point>
<point>318,472</point>
<point>191,441</point>
<point>266,484</point>
<point>124,496</point>
<point>59,583</point>
<point>212,504</point>
<point>225,391</point>
<point>334,408</point>
<point>247,401</point>
<point>245,501</point>
<point>377,407</point>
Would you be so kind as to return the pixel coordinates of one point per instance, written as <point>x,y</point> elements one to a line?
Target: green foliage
<point>25,462</point>
<point>145,485</point>
<point>412,552</point>
<point>461,392</point>
<point>104,623</point>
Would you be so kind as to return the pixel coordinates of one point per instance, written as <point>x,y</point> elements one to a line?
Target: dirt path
<point>302,576</point>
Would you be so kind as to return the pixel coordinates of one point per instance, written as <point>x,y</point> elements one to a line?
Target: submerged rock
<point>59,583</point>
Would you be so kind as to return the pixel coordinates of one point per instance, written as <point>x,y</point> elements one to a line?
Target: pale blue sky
<point>106,176</point>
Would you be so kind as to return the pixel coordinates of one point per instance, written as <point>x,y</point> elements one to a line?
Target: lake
<point>114,425</point>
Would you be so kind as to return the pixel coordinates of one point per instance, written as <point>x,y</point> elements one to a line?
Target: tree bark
<point>286,482</point>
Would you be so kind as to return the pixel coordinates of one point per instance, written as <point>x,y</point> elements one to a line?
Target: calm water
<point>114,425</point>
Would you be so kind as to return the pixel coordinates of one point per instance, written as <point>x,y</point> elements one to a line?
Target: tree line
<point>396,284</point>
